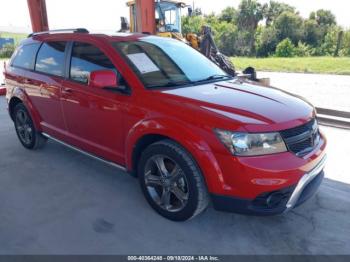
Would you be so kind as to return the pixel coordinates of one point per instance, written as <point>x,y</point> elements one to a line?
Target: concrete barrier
<point>334,118</point>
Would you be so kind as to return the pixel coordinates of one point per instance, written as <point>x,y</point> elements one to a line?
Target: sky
<point>105,14</point>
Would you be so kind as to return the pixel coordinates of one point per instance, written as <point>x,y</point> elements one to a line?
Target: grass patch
<point>16,36</point>
<point>321,65</point>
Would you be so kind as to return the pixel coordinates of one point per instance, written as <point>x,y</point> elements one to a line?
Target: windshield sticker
<point>143,63</point>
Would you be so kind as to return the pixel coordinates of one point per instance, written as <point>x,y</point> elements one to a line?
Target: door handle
<point>67,90</point>
<point>27,81</point>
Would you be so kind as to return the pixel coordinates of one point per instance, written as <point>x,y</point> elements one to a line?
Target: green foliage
<point>192,24</point>
<point>325,18</point>
<point>322,65</point>
<point>266,41</point>
<point>229,15</point>
<point>289,25</point>
<point>16,36</point>
<point>250,13</point>
<point>285,48</point>
<point>330,41</point>
<point>303,49</point>
<point>274,10</point>
<point>7,50</point>
<point>239,32</point>
<point>345,50</point>
<point>312,32</point>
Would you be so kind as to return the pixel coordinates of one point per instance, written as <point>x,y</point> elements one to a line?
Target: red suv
<point>163,112</point>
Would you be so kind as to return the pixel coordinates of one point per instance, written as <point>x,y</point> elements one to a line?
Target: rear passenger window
<point>50,58</point>
<point>25,56</point>
<point>87,58</point>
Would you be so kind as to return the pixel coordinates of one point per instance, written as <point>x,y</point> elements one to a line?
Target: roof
<point>73,35</point>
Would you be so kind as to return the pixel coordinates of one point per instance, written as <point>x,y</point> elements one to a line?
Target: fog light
<point>274,199</point>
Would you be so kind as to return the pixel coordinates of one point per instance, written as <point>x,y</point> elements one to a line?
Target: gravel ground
<point>326,91</point>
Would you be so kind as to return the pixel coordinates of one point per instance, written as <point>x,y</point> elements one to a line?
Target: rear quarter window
<point>50,59</point>
<point>24,56</point>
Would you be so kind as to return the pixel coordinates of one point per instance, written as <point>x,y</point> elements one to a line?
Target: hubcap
<point>24,127</point>
<point>166,183</point>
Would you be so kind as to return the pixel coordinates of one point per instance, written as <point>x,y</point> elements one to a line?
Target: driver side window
<point>87,58</point>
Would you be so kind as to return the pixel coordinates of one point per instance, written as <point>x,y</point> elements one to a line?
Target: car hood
<point>248,103</point>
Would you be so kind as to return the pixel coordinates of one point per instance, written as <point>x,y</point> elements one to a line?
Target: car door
<point>39,74</point>
<point>46,84</point>
<point>94,116</point>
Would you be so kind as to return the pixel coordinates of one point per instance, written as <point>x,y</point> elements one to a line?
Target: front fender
<point>184,135</point>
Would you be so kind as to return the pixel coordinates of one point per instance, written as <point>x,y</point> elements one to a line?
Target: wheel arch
<point>148,132</point>
<point>19,96</point>
<point>14,101</point>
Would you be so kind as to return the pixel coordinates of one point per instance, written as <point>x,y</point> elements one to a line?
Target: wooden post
<point>339,41</point>
<point>38,15</point>
<point>145,16</point>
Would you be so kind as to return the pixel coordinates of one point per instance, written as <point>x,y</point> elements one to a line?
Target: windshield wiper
<point>171,84</point>
<point>213,77</point>
<point>185,83</point>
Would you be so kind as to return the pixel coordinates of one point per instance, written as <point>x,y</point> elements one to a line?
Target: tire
<point>177,192</point>
<point>29,137</point>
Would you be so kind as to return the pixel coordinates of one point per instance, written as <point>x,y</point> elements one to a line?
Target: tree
<point>345,50</point>
<point>240,31</point>
<point>325,18</point>
<point>7,50</point>
<point>227,38</point>
<point>312,32</point>
<point>289,25</point>
<point>274,10</point>
<point>250,13</point>
<point>211,19</point>
<point>329,45</point>
<point>285,48</point>
<point>228,15</point>
<point>302,50</point>
<point>266,41</point>
<point>312,16</point>
<point>192,24</point>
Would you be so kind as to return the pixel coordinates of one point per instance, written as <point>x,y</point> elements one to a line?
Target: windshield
<point>166,62</point>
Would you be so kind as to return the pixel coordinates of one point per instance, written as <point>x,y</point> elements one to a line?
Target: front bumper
<point>275,202</point>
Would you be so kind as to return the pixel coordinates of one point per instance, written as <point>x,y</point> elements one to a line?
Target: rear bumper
<point>275,202</point>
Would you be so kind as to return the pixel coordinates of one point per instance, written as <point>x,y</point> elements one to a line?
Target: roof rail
<point>71,30</point>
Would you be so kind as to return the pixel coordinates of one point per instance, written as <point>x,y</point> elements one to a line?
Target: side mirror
<point>103,78</point>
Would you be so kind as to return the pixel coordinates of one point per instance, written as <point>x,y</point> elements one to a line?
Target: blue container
<point>4,41</point>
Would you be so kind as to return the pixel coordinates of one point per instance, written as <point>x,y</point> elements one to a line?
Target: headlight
<point>246,144</point>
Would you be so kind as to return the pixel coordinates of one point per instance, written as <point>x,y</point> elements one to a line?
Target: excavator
<point>158,17</point>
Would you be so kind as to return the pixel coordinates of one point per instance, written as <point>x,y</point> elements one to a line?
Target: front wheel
<point>29,137</point>
<point>172,182</point>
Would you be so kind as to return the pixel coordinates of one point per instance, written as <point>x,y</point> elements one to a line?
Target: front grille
<point>302,139</point>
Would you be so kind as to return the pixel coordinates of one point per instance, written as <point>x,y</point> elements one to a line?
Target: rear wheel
<point>29,137</point>
<point>171,181</point>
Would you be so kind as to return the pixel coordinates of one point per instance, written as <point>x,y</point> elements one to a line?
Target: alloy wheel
<point>166,183</point>
<point>24,127</point>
